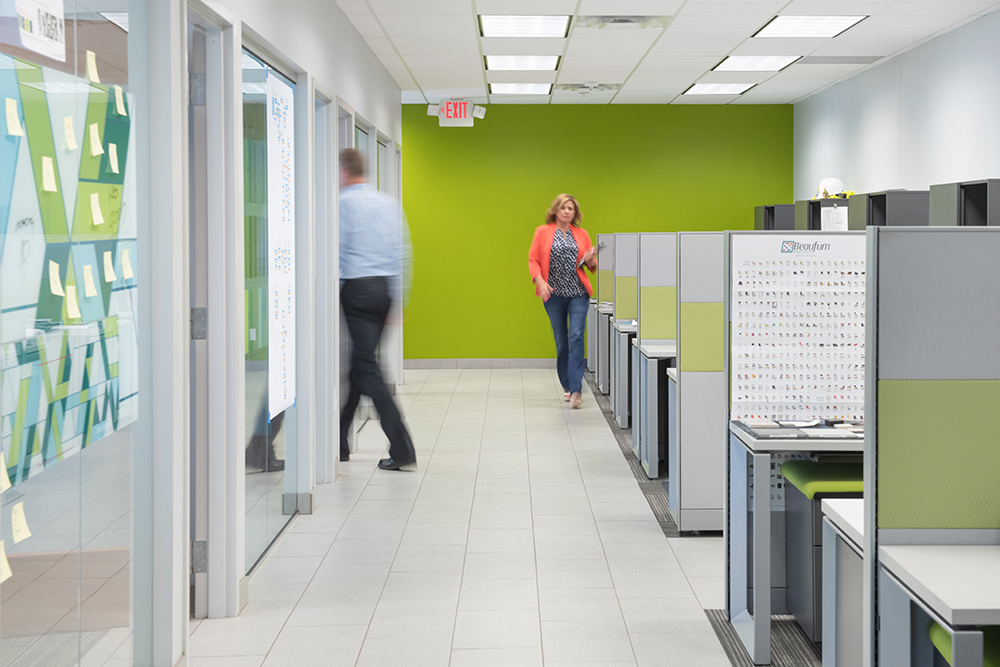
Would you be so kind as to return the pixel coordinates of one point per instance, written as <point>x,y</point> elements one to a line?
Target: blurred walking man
<point>374,260</point>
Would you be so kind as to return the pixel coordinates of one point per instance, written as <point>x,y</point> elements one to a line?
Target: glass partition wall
<point>270,431</point>
<point>68,343</point>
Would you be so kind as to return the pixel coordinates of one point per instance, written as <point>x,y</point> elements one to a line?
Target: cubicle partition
<point>932,456</point>
<point>654,348</point>
<point>605,298</point>
<point>697,448</point>
<point>625,303</point>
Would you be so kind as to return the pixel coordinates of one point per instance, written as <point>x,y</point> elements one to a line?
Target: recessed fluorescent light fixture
<point>755,63</point>
<point>520,88</point>
<point>497,63</point>
<point>120,19</point>
<point>808,26</point>
<point>493,25</point>
<point>719,88</point>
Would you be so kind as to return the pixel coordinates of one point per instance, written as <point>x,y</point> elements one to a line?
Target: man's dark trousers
<point>366,303</point>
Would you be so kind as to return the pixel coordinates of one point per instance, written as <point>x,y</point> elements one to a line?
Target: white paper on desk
<point>814,422</point>
<point>833,218</point>
<point>825,433</point>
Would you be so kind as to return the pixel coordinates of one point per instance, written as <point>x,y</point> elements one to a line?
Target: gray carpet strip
<point>789,645</point>
<point>653,489</point>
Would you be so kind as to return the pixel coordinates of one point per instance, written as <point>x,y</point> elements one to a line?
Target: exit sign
<point>455,113</point>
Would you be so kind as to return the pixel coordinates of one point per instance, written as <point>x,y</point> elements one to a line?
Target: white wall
<point>317,37</point>
<point>926,117</point>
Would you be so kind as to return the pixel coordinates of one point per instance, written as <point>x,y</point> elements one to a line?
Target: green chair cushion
<point>811,477</point>
<point>991,643</point>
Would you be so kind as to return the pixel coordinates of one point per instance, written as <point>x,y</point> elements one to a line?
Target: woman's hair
<point>557,203</point>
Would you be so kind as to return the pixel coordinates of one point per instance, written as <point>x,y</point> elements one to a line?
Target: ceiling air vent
<point>588,87</point>
<point>621,22</point>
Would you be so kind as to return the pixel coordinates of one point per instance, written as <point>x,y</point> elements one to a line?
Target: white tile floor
<point>523,539</point>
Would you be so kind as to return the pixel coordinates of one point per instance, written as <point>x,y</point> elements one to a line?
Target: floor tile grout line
<point>534,543</point>
<point>586,490</point>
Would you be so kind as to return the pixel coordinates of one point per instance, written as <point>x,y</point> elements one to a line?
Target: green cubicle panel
<point>657,294</point>
<point>626,280</point>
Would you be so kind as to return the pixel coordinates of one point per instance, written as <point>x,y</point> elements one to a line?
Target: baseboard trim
<point>417,364</point>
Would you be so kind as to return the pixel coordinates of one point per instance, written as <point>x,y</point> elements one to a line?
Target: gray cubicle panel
<point>809,213</point>
<point>626,297</point>
<point>657,315</point>
<point>605,268</point>
<point>697,460</point>
<point>775,217</point>
<point>892,208</point>
<point>970,204</point>
<point>931,454</point>
<point>592,335</point>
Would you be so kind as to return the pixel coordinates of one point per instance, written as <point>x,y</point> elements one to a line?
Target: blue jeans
<point>569,340</point>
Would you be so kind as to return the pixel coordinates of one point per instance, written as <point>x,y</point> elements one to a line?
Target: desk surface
<point>625,326</point>
<point>798,444</point>
<point>848,514</point>
<point>672,374</point>
<point>658,350</point>
<point>605,308</point>
<point>958,582</point>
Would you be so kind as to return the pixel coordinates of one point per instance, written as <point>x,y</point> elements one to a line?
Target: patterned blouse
<point>563,278</point>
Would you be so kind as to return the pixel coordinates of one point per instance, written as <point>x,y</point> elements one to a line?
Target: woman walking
<point>559,252</point>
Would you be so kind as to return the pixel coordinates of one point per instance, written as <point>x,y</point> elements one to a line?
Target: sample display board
<point>280,244</point>
<point>797,311</point>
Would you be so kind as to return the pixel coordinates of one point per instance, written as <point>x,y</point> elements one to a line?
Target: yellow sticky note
<point>95,209</point>
<point>119,101</point>
<point>109,267</point>
<point>89,288</point>
<point>72,307</point>
<point>14,128</point>
<point>95,140</point>
<point>113,157</point>
<point>126,265</point>
<point>92,67</point>
<point>4,478</point>
<point>5,572</point>
<point>70,133</point>
<point>48,174</point>
<point>55,284</point>
<point>19,523</point>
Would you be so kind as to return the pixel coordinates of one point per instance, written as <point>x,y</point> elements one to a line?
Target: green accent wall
<point>474,196</point>
<point>703,327</point>
<point>658,320</point>
<point>938,460</point>
<point>626,297</point>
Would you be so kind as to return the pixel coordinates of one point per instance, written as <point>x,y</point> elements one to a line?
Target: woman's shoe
<point>575,401</point>
<point>566,397</point>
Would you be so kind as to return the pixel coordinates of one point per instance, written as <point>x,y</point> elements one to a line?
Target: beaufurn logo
<point>795,246</point>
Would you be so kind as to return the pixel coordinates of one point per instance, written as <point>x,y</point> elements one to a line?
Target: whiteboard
<point>280,245</point>
<point>797,313</point>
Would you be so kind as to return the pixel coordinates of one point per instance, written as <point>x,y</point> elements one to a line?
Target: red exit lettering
<point>456,110</point>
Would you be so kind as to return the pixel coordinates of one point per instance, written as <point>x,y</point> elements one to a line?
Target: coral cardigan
<point>541,251</point>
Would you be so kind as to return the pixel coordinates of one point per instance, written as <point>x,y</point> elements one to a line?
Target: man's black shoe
<point>393,464</point>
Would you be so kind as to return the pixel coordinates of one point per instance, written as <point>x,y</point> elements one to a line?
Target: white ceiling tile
<point>527,7</point>
<point>412,97</point>
<point>641,96</point>
<point>435,94</point>
<point>428,27</point>
<point>380,46</point>
<point>509,46</point>
<point>670,88</point>
<point>771,92</point>
<point>423,8</point>
<point>414,46</point>
<point>518,99</point>
<point>836,7</point>
<point>704,99</point>
<point>735,77</point>
<point>572,97</point>
<point>629,7</point>
<point>577,63</point>
<point>779,47</point>
<point>601,76</point>
<point>709,46</point>
<point>353,7</point>
<point>520,76</point>
<point>885,35</point>
<point>444,63</point>
<point>595,42</point>
<point>729,26</point>
<point>937,8</point>
<point>366,25</point>
<point>678,63</point>
<point>433,81</point>
<point>810,75</point>
<point>729,8</point>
